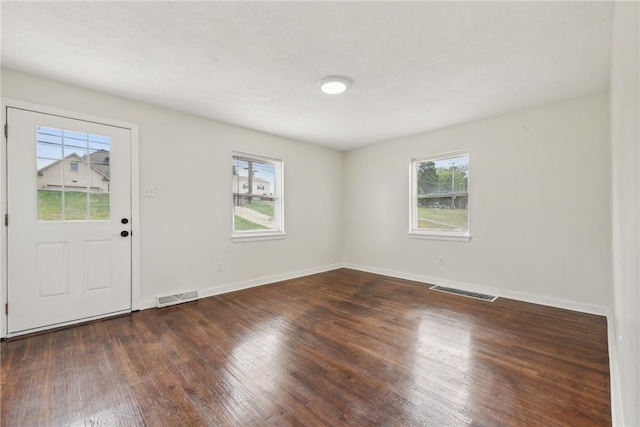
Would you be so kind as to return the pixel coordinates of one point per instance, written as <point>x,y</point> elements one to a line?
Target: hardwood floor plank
<point>337,348</point>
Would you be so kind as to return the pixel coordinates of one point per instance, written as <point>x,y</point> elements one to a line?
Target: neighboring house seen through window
<point>440,197</point>
<point>257,197</point>
<point>74,175</point>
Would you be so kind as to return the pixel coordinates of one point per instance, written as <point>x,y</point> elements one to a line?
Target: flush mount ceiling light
<point>334,85</point>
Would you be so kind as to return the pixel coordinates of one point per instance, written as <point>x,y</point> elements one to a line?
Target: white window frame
<point>420,233</point>
<point>278,198</point>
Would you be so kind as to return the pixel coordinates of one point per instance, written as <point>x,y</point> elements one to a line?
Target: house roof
<point>99,160</point>
<point>255,179</point>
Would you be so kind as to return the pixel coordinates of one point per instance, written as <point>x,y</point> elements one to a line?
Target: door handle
<point>124,220</point>
<point>124,233</point>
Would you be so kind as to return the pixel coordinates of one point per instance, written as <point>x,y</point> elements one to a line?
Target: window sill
<point>256,237</point>
<point>441,235</point>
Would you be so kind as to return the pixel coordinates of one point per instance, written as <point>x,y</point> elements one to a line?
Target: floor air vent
<point>177,298</point>
<point>475,295</point>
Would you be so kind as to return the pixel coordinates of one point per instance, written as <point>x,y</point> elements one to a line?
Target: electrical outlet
<point>220,267</point>
<point>441,260</point>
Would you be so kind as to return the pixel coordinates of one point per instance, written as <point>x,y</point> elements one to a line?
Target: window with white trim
<point>440,196</point>
<point>257,197</point>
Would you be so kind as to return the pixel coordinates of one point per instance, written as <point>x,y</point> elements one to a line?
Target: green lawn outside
<point>263,206</point>
<point>442,219</point>
<point>75,204</point>
<point>241,224</point>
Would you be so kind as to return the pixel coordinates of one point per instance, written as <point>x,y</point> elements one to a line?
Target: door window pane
<point>75,205</point>
<point>74,175</point>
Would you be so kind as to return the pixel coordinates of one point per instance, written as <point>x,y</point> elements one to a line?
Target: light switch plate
<point>149,191</point>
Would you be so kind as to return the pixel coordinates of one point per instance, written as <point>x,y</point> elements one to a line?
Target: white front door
<point>69,206</point>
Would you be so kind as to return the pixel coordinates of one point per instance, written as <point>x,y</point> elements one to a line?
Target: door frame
<point>135,198</point>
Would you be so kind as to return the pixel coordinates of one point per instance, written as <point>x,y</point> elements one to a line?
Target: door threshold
<point>66,325</point>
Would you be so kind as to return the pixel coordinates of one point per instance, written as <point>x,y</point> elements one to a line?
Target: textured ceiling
<point>415,66</point>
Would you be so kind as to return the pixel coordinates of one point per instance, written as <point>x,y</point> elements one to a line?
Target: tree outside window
<point>440,195</point>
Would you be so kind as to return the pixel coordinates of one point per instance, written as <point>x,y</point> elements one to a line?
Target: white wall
<point>625,141</point>
<point>540,215</point>
<point>539,206</point>
<point>186,228</point>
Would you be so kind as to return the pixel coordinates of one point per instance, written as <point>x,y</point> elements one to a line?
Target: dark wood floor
<point>338,348</point>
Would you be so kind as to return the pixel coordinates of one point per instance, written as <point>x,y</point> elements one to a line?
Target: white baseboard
<point>232,287</point>
<point>617,413</point>
<point>519,296</point>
